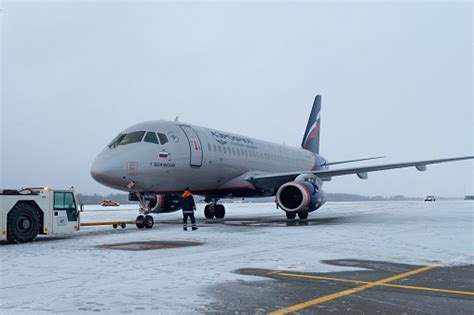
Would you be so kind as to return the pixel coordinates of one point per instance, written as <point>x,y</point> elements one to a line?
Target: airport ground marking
<point>400,286</point>
<point>333,296</point>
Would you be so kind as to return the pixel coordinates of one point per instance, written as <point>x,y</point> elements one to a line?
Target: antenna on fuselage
<point>176,119</point>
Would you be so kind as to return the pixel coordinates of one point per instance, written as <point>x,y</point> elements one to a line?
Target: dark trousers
<point>185,219</point>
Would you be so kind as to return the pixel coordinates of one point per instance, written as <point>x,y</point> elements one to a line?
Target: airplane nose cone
<point>107,172</point>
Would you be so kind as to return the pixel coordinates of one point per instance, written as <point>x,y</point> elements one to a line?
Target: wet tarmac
<point>150,245</point>
<point>432,289</point>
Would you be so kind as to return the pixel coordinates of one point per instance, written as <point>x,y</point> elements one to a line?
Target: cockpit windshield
<point>128,138</point>
<point>116,140</point>
<point>132,137</point>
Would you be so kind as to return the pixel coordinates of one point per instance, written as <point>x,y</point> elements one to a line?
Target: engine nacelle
<point>155,203</point>
<point>300,196</point>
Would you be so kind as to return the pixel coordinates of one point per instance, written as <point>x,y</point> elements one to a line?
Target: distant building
<point>469,197</point>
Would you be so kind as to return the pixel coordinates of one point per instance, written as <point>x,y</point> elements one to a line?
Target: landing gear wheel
<point>290,215</point>
<point>220,211</point>
<point>208,213</point>
<point>140,222</point>
<point>23,224</point>
<point>123,225</point>
<point>303,215</point>
<point>149,222</point>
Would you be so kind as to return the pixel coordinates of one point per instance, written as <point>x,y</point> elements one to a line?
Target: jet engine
<point>155,203</point>
<point>302,195</point>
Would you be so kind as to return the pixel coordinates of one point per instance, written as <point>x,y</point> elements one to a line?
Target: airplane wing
<point>352,161</point>
<point>272,181</point>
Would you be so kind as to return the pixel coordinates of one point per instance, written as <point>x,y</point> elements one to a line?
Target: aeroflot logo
<point>222,137</point>
<point>314,130</point>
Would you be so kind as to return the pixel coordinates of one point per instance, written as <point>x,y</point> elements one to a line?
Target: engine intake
<point>300,197</point>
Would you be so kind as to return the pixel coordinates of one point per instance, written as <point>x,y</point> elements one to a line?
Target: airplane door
<point>195,146</point>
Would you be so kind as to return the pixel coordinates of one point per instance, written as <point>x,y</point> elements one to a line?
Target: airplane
<point>155,161</point>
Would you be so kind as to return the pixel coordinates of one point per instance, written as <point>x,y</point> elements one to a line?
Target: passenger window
<point>215,148</point>
<point>224,149</point>
<point>209,147</point>
<point>233,151</point>
<point>133,137</point>
<point>151,138</point>
<point>163,138</point>
<point>220,148</point>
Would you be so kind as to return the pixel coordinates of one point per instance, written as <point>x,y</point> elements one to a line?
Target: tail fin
<point>312,133</point>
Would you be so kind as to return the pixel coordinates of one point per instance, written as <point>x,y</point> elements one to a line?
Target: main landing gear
<point>214,210</point>
<point>292,215</point>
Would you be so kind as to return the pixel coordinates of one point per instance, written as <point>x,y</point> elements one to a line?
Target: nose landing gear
<point>214,210</point>
<point>145,220</point>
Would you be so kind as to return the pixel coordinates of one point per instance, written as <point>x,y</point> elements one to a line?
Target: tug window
<point>65,201</point>
<point>163,138</point>
<point>151,138</point>
<point>133,137</point>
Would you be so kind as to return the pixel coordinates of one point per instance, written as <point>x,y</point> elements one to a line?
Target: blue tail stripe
<point>313,129</point>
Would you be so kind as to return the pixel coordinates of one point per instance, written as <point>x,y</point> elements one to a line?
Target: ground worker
<point>189,206</point>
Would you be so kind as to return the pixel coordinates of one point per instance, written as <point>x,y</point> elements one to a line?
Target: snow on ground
<point>70,274</point>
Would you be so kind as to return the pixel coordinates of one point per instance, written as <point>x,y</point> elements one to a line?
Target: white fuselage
<point>209,161</point>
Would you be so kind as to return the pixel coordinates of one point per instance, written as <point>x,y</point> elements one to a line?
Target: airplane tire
<point>140,222</point>
<point>303,215</point>
<point>207,212</point>
<point>290,215</point>
<point>220,211</point>
<point>149,222</point>
<point>23,224</point>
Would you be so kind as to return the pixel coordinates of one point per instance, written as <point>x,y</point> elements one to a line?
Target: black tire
<point>123,225</point>
<point>149,222</point>
<point>207,212</point>
<point>220,211</point>
<point>303,215</point>
<point>23,224</point>
<point>140,222</point>
<point>290,215</point>
<point>115,226</point>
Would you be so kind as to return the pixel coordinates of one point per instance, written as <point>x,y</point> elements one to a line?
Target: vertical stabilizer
<point>313,129</point>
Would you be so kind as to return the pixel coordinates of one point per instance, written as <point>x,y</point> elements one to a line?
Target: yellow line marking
<point>364,287</point>
<point>401,286</point>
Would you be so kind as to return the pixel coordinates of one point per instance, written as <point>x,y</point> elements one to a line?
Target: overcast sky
<point>396,80</point>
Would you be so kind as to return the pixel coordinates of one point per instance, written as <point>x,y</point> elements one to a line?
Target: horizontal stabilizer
<point>352,161</point>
